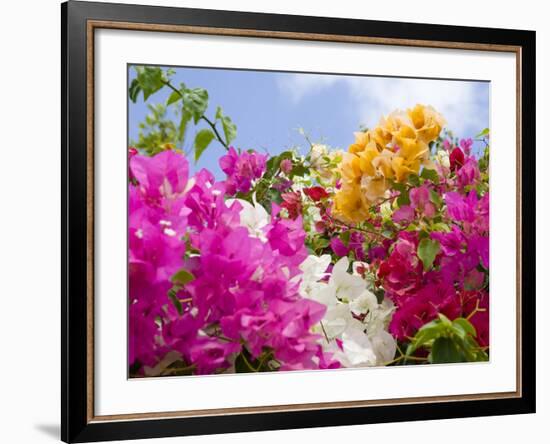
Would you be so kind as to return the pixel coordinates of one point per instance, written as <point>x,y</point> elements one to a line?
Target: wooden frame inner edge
<point>96,24</point>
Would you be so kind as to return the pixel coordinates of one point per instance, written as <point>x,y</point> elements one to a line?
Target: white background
<point>29,220</point>
<point>115,394</point>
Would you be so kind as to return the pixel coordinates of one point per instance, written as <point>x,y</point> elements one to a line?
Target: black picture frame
<point>76,423</point>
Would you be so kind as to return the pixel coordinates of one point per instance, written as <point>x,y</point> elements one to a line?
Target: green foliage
<point>484,160</point>
<point>430,175</point>
<point>414,180</point>
<point>229,128</point>
<point>173,296</point>
<point>483,133</point>
<point>436,198</point>
<point>160,130</point>
<point>149,80</point>
<point>403,198</point>
<point>274,163</point>
<point>448,341</point>
<point>182,277</point>
<point>445,350</point>
<point>157,131</point>
<point>202,140</point>
<point>245,363</point>
<point>195,102</point>
<point>427,251</point>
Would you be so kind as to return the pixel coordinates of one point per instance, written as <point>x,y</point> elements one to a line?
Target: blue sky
<point>269,107</point>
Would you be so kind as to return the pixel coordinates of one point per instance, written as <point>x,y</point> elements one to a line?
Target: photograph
<point>297,221</point>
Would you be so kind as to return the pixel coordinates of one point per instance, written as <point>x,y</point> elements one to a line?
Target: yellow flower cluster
<point>393,150</point>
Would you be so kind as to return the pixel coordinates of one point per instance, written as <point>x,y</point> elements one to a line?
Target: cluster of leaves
<point>159,131</point>
<point>448,341</point>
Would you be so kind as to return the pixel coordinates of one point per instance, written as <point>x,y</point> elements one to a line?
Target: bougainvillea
<point>374,256</point>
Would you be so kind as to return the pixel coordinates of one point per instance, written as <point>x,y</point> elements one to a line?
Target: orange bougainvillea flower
<point>393,150</point>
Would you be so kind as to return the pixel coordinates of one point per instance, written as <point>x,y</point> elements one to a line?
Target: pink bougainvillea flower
<point>451,243</point>
<point>466,145</point>
<point>461,208</point>
<point>424,307</point>
<point>471,211</point>
<point>401,272</point>
<point>157,222</point>
<point>377,253</point>
<point>420,199</point>
<point>131,153</point>
<point>286,166</point>
<point>163,175</point>
<point>468,174</point>
<point>210,354</point>
<point>282,184</point>
<point>403,215</point>
<point>242,169</point>
<point>355,245</point>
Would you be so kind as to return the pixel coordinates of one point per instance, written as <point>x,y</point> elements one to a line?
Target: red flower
<point>292,202</point>
<point>316,193</point>
<point>457,159</point>
<point>475,306</point>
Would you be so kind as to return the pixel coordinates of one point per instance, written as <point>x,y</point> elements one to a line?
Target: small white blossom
<point>354,327</point>
<point>253,217</point>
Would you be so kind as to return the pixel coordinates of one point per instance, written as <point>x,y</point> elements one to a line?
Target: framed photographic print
<point>275,221</point>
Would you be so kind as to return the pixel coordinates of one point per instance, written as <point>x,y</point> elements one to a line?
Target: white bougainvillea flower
<point>364,303</point>
<point>253,217</point>
<point>354,327</point>
<point>336,321</point>
<point>379,316</point>
<point>384,346</point>
<point>347,286</point>
<point>314,268</point>
<point>357,350</point>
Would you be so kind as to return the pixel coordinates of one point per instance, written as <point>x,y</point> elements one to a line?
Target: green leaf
<point>445,350</point>
<point>202,140</point>
<point>244,363</point>
<point>403,198</point>
<point>466,326</point>
<point>177,303</point>
<point>483,133</point>
<point>427,251</point>
<point>173,98</point>
<point>229,128</point>
<point>424,336</point>
<point>182,277</point>
<point>150,79</point>
<point>219,113</point>
<point>399,186</point>
<point>298,170</point>
<point>134,90</point>
<point>240,365</point>
<point>414,180</point>
<point>345,236</point>
<point>444,319</point>
<point>435,198</point>
<point>195,102</point>
<point>185,118</point>
<point>440,226</point>
<point>430,175</point>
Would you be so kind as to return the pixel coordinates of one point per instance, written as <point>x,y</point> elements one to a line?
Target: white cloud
<point>297,86</point>
<point>463,104</point>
